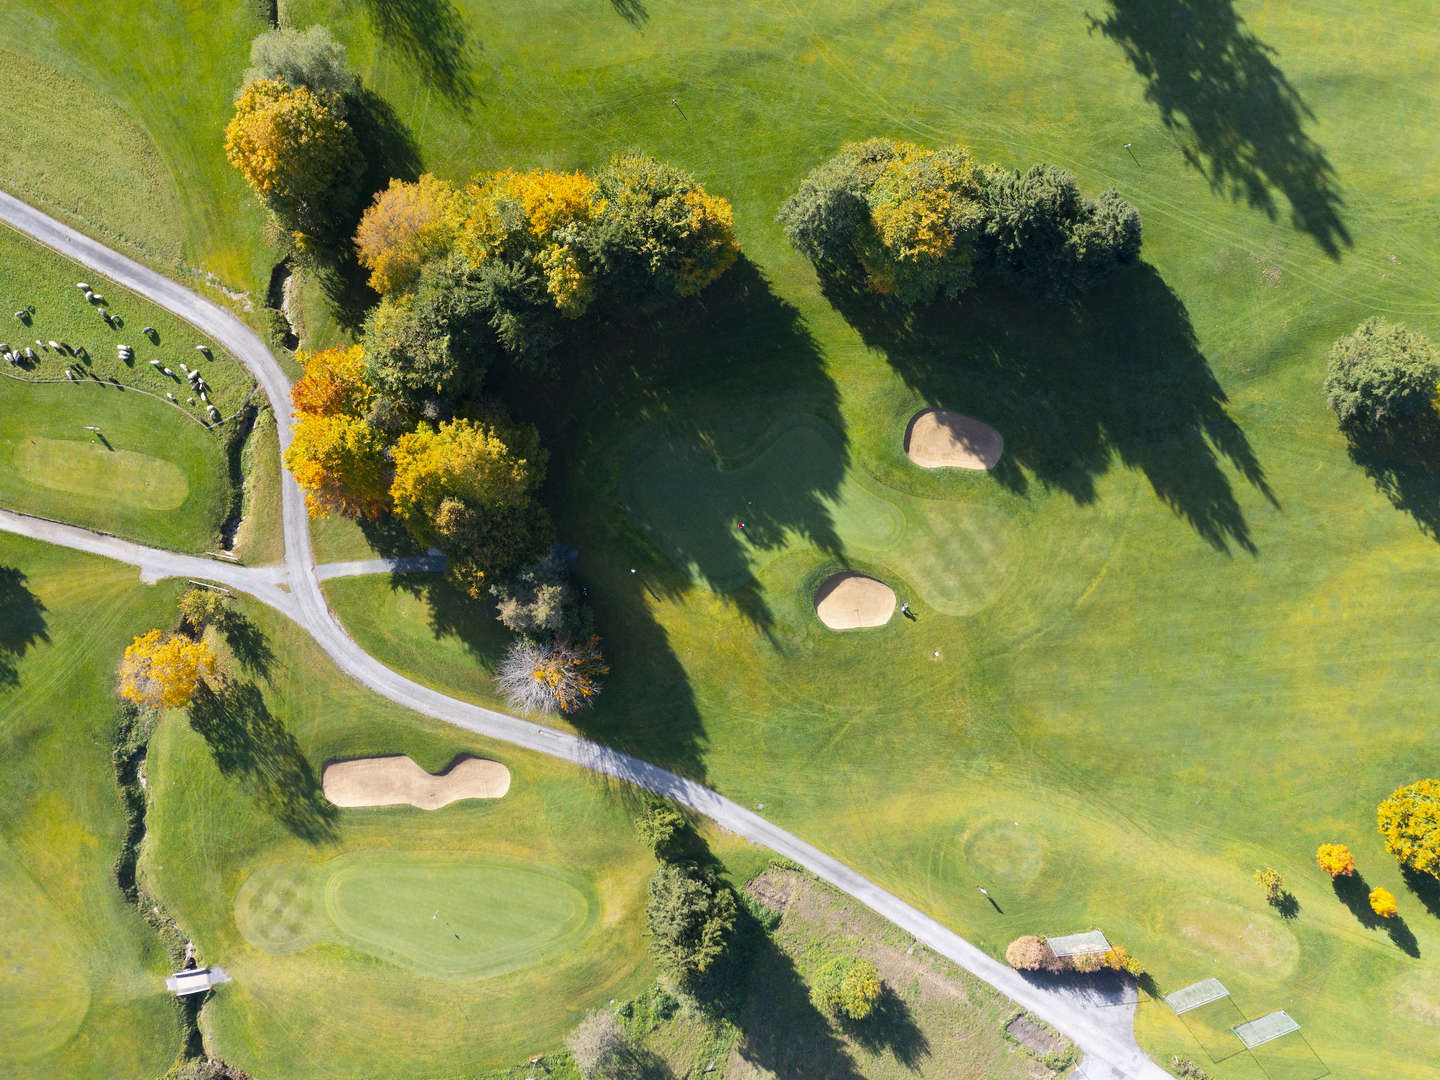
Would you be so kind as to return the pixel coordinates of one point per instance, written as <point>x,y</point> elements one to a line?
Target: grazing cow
<point>55,345</point>
<point>83,286</point>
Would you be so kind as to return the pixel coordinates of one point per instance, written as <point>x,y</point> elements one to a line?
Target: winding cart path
<point>293,588</point>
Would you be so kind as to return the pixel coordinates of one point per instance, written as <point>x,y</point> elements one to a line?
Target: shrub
<point>1335,860</point>
<point>1118,958</point>
<point>846,988</point>
<point>1382,902</point>
<point>690,917</point>
<point>599,1046</point>
<point>1381,374</point>
<point>1273,883</point>
<point>561,676</point>
<point>1410,822</point>
<point>1029,953</point>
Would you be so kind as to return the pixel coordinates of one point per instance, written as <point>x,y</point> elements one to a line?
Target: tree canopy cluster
<point>921,224</point>
<point>1380,375</point>
<point>163,671</point>
<point>499,267</point>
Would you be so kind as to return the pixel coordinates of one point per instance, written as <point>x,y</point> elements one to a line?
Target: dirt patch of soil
<point>1032,1036</point>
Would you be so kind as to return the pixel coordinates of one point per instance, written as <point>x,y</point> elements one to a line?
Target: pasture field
<point>160,475</point>
<point>82,990</point>
<point>1180,634</point>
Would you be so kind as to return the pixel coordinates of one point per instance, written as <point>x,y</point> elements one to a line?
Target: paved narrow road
<point>1110,1053</point>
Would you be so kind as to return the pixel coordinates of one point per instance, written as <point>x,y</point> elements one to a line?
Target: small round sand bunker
<point>941,439</point>
<point>850,601</point>
<point>385,781</point>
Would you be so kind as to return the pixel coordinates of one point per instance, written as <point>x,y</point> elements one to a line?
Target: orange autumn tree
<point>1382,902</point>
<point>164,670</point>
<point>406,225</point>
<point>338,457</point>
<point>1335,860</point>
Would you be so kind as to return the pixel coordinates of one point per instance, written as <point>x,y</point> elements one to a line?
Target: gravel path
<point>1111,1052</point>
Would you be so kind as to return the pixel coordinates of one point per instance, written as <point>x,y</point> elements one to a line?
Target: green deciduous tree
<point>1380,374</point>
<point>1410,822</point>
<point>690,917</point>
<point>539,601</point>
<point>310,57</point>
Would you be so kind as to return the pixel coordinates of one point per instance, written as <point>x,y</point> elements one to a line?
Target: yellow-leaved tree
<point>295,150</point>
<point>407,224</point>
<point>1410,822</point>
<point>1382,902</point>
<point>1335,860</point>
<point>164,670</point>
<point>468,487</point>
<point>339,462</point>
<point>337,456</point>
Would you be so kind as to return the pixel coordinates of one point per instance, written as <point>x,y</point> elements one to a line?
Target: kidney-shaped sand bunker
<point>385,781</point>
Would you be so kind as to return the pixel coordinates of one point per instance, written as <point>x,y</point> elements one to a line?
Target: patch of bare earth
<point>1040,1039</point>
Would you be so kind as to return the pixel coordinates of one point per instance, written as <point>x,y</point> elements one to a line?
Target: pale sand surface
<point>849,601</point>
<point>939,439</point>
<point>384,781</point>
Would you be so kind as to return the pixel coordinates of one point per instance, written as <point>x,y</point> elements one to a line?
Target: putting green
<point>429,912</point>
<point>85,466</point>
<point>955,554</point>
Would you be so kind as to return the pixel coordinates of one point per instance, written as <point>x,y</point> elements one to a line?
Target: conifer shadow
<point>1238,120</point>
<point>248,741</point>
<point>433,36</point>
<point>22,623</point>
<point>1074,390</point>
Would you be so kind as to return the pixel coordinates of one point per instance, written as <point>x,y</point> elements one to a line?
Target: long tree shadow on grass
<point>250,742</point>
<point>22,623</point>
<point>1239,121</point>
<point>248,643</point>
<point>1354,892</point>
<point>433,35</point>
<point>1077,389</point>
<point>716,412</point>
<point>891,1028</point>
<point>758,989</point>
<point>1426,888</point>
<point>1401,462</point>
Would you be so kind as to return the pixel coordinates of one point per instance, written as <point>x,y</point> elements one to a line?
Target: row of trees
<point>1030,953</point>
<point>918,224</point>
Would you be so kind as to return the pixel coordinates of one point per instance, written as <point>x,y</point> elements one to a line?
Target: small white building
<point>195,980</point>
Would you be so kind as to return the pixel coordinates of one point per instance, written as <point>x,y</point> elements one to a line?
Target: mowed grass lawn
<point>82,990</point>
<point>115,118</point>
<point>1180,634</point>
<point>384,942</point>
